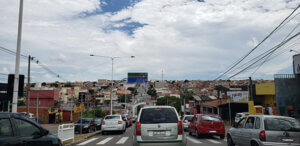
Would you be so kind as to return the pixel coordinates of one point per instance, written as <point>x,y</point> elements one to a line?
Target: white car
<point>113,123</point>
<point>159,126</point>
<point>239,116</point>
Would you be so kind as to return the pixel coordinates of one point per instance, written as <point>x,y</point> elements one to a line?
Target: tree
<point>67,85</point>
<point>54,85</point>
<point>91,91</point>
<point>133,90</point>
<point>99,113</point>
<point>171,101</point>
<point>44,84</point>
<point>21,103</point>
<point>121,98</point>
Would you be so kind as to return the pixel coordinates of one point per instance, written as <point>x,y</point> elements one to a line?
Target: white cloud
<point>185,38</point>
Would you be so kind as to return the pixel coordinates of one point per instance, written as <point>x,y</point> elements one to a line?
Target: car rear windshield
<point>213,118</point>
<point>158,115</point>
<point>189,118</point>
<point>112,117</point>
<point>281,124</point>
<point>85,121</point>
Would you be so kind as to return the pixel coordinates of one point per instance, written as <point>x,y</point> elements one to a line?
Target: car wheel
<point>229,141</point>
<point>197,134</point>
<point>222,136</point>
<point>253,143</point>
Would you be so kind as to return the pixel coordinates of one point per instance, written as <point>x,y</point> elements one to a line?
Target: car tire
<point>229,141</point>
<point>197,134</point>
<point>253,143</point>
<point>222,136</point>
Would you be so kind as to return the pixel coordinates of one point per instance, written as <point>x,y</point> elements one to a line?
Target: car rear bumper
<point>278,144</point>
<point>112,128</point>
<point>160,143</point>
<point>212,131</point>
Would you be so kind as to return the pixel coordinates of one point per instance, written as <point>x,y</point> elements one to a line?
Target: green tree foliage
<point>99,113</point>
<point>152,92</point>
<point>121,98</point>
<point>67,85</point>
<point>21,103</point>
<point>171,101</point>
<point>54,85</point>
<point>44,84</point>
<point>133,90</point>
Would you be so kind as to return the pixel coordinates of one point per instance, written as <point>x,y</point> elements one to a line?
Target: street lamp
<point>112,73</point>
<point>294,51</point>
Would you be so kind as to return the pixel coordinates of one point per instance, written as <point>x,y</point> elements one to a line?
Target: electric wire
<point>247,54</point>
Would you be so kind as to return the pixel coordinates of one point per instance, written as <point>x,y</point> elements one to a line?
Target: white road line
<point>122,140</point>
<point>213,141</point>
<point>88,141</point>
<point>105,140</point>
<point>193,140</point>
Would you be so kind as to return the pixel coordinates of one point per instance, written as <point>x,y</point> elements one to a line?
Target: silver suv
<point>159,125</point>
<point>264,130</point>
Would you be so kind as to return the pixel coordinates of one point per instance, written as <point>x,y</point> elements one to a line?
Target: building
<point>265,94</point>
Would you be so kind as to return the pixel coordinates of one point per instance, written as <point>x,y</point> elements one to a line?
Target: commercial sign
<point>238,96</point>
<point>137,77</point>
<point>296,61</point>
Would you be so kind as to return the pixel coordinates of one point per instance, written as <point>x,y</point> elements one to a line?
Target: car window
<point>249,123</point>
<point>158,115</point>
<point>5,128</point>
<point>188,118</point>
<point>25,128</point>
<point>241,123</point>
<point>84,121</point>
<point>281,124</point>
<point>257,123</point>
<point>213,118</point>
<point>112,117</point>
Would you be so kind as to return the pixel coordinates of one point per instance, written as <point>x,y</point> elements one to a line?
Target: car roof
<point>208,114</point>
<point>162,106</point>
<point>271,116</point>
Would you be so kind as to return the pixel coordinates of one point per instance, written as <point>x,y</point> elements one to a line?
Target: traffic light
<point>10,86</point>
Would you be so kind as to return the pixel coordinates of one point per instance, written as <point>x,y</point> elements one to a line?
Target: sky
<point>181,39</point>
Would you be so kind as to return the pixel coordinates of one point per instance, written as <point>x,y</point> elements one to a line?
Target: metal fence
<point>66,132</point>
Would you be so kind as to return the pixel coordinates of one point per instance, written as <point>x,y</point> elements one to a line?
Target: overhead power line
<point>247,54</point>
<point>36,61</point>
<point>275,48</point>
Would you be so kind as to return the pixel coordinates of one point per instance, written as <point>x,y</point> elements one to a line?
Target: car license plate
<point>159,133</point>
<point>287,140</point>
<point>212,131</point>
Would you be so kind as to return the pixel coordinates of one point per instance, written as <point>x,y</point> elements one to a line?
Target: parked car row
<point>87,125</point>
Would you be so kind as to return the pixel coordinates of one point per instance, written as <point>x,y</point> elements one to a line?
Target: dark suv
<point>16,129</point>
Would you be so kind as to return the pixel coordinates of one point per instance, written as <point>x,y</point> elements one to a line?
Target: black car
<point>98,122</point>
<point>16,129</point>
<point>88,125</point>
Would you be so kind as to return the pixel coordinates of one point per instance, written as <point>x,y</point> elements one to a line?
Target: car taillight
<point>179,127</point>
<point>262,135</point>
<point>138,130</point>
<point>119,122</point>
<point>184,121</point>
<point>103,123</point>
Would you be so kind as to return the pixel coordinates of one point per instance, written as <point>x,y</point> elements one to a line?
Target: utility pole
<point>28,85</point>
<point>37,107</point>
<point>16,80</point>
<point>81,115</point>
<point>250,89</point>
<point>112,84</point>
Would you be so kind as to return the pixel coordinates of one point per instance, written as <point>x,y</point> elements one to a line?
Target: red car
<point>207,124</point>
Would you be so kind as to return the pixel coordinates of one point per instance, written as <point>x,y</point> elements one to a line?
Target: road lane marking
<point>105,140</point>
<point>193,140</point>
<point>88,141</point>
<point>122,140</point>
<point>213,141</point>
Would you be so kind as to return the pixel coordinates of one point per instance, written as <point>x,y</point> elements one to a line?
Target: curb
<point>95,133</point>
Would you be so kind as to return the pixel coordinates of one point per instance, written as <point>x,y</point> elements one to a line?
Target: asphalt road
<point>117,139</point>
